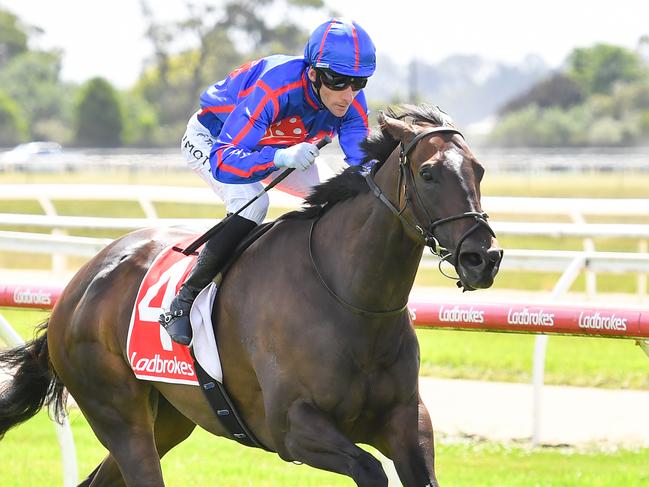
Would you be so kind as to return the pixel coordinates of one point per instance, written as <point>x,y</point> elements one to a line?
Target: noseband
<point>426,231</point>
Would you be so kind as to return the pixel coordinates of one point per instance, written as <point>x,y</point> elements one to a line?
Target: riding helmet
<point>342,46</point>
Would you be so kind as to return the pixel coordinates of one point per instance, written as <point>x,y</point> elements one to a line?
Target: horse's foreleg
<point>408,440</point>
<point>314,440</point>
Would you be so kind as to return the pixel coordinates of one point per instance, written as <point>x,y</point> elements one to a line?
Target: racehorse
<point>315,338</point>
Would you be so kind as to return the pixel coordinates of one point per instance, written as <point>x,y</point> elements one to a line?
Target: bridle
<point>426,232</point>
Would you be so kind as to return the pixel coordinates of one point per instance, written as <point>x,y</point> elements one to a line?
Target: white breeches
<point>196,145</point>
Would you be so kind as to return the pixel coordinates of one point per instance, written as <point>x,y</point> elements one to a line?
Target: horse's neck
<point>363,251</point>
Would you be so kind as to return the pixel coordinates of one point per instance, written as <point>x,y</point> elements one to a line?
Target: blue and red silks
<point>268,104</point>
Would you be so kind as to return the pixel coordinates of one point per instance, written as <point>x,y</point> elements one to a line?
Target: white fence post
<point>642,277</point>
<point>59,262</point>
<point>148,207</point>
<point>589,246</point>
<point>63,431</point>
<point>540,345</point>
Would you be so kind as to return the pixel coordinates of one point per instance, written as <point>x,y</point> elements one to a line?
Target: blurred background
<point>128,74</point>
<point>553,97</point>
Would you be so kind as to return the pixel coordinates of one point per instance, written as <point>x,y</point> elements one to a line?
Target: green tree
<point>13,127</point>
<point>557,90</point>
<point>32,80</point>
<point>140,121</point>
<point>223,36</point>
<point>612,107</point>
<point>597,69</point>
<point>98,115</point>
<point>13,37</point>
<point>536,127</point>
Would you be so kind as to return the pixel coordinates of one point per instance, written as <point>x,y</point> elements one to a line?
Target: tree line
<point>600,96</point>
<point>36,104</point>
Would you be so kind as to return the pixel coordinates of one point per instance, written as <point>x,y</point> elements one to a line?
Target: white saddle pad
<point>204,341</point>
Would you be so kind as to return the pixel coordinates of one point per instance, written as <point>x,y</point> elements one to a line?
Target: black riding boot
<point>209,262</point>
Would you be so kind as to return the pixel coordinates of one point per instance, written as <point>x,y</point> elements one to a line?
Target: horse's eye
<point>426,174</point>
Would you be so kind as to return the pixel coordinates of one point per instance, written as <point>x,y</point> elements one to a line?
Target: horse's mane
<point>377,146</point>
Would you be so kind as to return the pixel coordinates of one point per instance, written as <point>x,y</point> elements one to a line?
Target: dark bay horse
<point>318,349</point>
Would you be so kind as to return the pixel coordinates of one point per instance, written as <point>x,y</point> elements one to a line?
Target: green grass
<point>30,458</point>
<point>567,185</point>
<point>496,465</point>
<point>619,185</point>
<point>577,361</point>
<point>560,184</point>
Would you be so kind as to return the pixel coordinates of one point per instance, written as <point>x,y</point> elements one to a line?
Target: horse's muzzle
<point>477,266</point>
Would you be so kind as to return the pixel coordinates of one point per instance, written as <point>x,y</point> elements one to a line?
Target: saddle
<point>247,241</point>
<point>214,391</point>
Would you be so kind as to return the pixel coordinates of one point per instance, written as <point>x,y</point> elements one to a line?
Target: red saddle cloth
<point>151,352</point>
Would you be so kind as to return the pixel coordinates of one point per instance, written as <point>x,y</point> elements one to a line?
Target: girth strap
<point>224,409</point>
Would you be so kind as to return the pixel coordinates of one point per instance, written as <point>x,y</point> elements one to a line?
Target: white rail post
<point>589,246</point>
<point>540,346</point>
<point>642,277</point>
<point>63,431</point>
<point>59,261</point>
<point>148,207</point>
<point>644,345</point>
<point>8,334</point>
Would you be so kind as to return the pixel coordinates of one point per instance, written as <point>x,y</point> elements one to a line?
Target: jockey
<point>266,115</point>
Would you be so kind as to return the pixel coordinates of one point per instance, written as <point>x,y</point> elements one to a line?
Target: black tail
<point>34,384</point>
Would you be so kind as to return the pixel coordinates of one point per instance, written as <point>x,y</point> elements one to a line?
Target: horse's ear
<point>395,128</point>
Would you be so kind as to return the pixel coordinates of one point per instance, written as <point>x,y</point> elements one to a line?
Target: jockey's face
<point>336,101</point>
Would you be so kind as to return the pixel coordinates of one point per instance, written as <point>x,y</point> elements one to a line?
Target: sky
<point>107,38</point>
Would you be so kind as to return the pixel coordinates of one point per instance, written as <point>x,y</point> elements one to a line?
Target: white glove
<point>299,156</point>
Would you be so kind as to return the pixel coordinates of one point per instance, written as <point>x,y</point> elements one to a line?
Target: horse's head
<point>439,193</point>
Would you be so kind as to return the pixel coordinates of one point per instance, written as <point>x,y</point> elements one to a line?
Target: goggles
<point>339,82</point>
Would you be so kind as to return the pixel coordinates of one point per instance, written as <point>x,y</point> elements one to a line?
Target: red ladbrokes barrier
<point>516,317</point>
<point>533,318</point>
<point>29,296</point>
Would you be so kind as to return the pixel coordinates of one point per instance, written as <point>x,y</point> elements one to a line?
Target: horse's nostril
<point>471,259</point>
<point>494,255</point>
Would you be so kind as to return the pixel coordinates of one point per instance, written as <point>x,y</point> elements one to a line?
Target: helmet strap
<point>317,84</point>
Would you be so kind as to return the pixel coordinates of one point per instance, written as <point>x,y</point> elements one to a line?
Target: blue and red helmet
<point>342,46</point>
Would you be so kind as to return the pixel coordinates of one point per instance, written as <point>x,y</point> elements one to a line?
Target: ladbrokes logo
<point>27,296</point>
<point>158,365</point>
<point>597,321</point>
<point>527,317</point>
<point>456,314</point>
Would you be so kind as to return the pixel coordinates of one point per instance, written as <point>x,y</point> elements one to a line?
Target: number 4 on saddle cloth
<point>151,352</point>
<point>154,356</point>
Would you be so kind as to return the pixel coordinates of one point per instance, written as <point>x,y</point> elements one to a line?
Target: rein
<point>425,232</point>
<point>350,307</point>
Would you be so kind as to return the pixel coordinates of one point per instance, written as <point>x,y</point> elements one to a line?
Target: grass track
<point>30,458</point>
<point>29,454</point>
